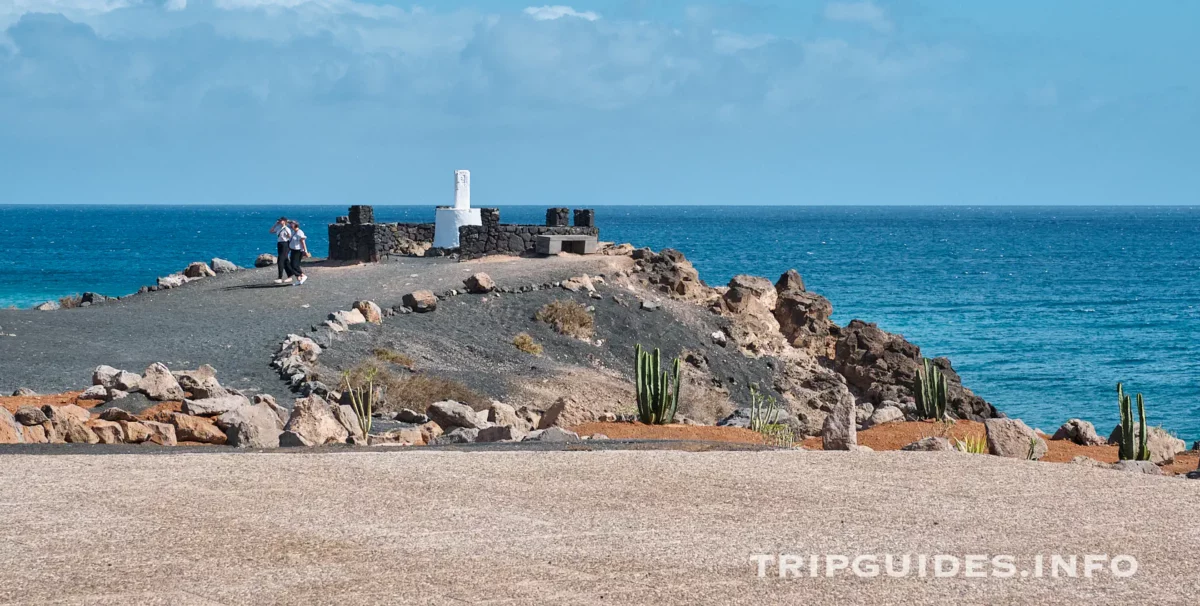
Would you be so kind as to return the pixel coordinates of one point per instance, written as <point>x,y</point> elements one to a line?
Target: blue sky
<point>599,102</point>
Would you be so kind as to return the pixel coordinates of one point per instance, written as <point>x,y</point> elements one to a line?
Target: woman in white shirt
<point>283,234</point>
<point>299,249</point>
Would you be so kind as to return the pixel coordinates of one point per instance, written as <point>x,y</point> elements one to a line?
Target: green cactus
<point>657,390</point>
<point>1129,450</point>
<point>362,400</point>
<point>764,410</point>
<point>929,388</point>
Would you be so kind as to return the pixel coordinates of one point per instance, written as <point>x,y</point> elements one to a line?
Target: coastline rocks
<point>1012,438</point>
<point>265,260</point>
<point>885,414</point>
<point>108,432</point>
<point>29,415</point>
<point>803,316</point>
<point>565,412</point>
<point>201,383</point>
<point>199,269</point>
<point>211,407</point>
<point>162,434</point>
<point>670,272</point>
<point>24,392</point>
<point>1146,467</point>
<point>420,301</point>
<point>135,432</point>
<point>411,416</point>
<point>578,283</point>
<point>296,358</point>
<point>748,302</point>
<point>95,392</point>
<point>221,266</point>
<point>10,429</point>
<point>189,428</point>
<point>458,435</point>
<point>1162,445</point>
<point>930,444</point>
<point>113,379</point>
<point>479,283</point>
<point>839,431</point>
<point>880,366</point>
<point>172,281</point>
<point>47,306</point>
<point>502,414</point>
<point>370,311</point>
<point>1080,432</point>
<point>158,383</point>
<point>256,426</point>
<point>312,423</point>
<point>449,414</point>
<point>117,415</point>
<point>499,433</point>
<point>552,434</point>
<point>346,319</point>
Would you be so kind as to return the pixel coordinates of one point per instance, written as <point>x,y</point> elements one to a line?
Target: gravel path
<point>233,322</point>
<point>571,527</point>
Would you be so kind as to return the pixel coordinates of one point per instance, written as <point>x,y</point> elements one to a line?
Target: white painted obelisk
<point>448,220</point>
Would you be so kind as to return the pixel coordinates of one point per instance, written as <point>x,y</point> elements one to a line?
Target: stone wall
<point>354,238</point>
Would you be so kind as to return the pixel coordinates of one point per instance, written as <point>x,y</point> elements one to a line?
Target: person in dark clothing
<point>299,250</point>
<point>283,232</point>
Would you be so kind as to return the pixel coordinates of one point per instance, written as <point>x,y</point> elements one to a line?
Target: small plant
<point>362,399</point>
<point>657,390</point>
<point>568,318</point>
<point>525,343</point>
<point>1032,454</point>
<point>1133,444</point>
<point>929,388</point>
<point>70,301</point>
<point>779,434</point>
<point>764,411</point>
<point>393,357</point>
<point>972,445</point>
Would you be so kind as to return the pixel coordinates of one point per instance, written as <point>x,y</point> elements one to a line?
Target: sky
<point>597,102</point>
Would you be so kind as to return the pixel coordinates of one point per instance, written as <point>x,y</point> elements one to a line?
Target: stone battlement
<point>356,237</point>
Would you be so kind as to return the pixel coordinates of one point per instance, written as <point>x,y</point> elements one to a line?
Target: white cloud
<point>176,5</point>
<point>551,13</point>
<point>867,13</point>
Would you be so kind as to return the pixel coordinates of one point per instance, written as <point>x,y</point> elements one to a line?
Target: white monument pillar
<point>449,219</point>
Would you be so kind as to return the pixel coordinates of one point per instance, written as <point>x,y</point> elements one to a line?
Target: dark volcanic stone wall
<point>350,242</point>
<point>477,241</point>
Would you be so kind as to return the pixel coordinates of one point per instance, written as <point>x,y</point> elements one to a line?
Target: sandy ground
<point>572,527</point>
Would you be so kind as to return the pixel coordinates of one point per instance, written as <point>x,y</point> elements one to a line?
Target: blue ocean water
<point>1042,310</point>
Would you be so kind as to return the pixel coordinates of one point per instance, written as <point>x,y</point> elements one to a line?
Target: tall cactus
<point>657,390</point>
<point>1127,451</point>
<point>929,388</point>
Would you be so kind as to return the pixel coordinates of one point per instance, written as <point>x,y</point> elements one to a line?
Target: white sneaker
<point>279,280</point>
<point>288,280</point>
<point>303,278</point>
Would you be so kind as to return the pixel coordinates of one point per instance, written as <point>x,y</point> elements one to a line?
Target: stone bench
<point>554,244</point>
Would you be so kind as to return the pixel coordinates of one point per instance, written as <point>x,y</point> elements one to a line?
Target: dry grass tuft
<point>395,357</point>
<point>568,318</point>
<point>70,301</point>
<point>525,343</point>
<point>415,391</point>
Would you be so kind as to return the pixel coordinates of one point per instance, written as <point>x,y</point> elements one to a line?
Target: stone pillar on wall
<point>557,217</point>
<point>490,218</point>
<point>362,215</point>
<point>585,217</point>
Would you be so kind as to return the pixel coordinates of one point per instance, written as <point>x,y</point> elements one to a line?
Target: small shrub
<point>764,411</point>
<point>525,343</point>
<point>568,318</point>
<point>70,301</point>
<point>362,399</point>
<point>415,391</point>
<point>394,357</point>
<point>778,434</point>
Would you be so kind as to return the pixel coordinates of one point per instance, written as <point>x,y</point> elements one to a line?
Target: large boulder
<point>370,311</point>
<point>449,414</point>
<point>265,260</point>
<point>211,407</point>
<point>670,272</point>
<point>10,429</point>
<point>420,301</point>
<point>201,383</point>
<point>804,316</point>
<point>504,415</point>
<point>579,284</point>
<point>255,426</point>
<point>1012,438</point>
<point>479,283</point>
<point>162,434</point>
<point>346,318</point>
<point>930,444</point>
<point>116,415</point>
<point>458,435</point>
<point>499,433</point>
<point>221,266</point>
<point>173,281</point>
<point>135,432</point>
<point>29,415</point>
<point>839,432</point>
<point>189,428</point>
<point>114,379</point>
<point>565,412</point>
<point>552,434</point>
<point>1162,445</point>
<point>69,423</point>
<point>159,384</point>
<point>744,287</point>
<point>1080,432</point>
<point>312,423</point>
<point>748,302</point>
<point>108,432</point>
<point>881,366</point>
<point>95,392</point>
<point>885,414</point>
<point>199,269</point>
<point>345,415</point>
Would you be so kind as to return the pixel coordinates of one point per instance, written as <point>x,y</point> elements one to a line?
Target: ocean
<point>1041,310</point>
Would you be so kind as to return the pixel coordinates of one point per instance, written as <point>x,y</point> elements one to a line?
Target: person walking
<point>283,233</point>
<point>299,249</point>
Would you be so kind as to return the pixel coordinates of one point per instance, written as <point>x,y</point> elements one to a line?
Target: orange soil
<point>12,403</point>
<point>638,431</point>
<point>894,436</point>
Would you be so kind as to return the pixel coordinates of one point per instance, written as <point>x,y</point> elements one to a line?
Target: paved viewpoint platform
<point>611,527</point>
